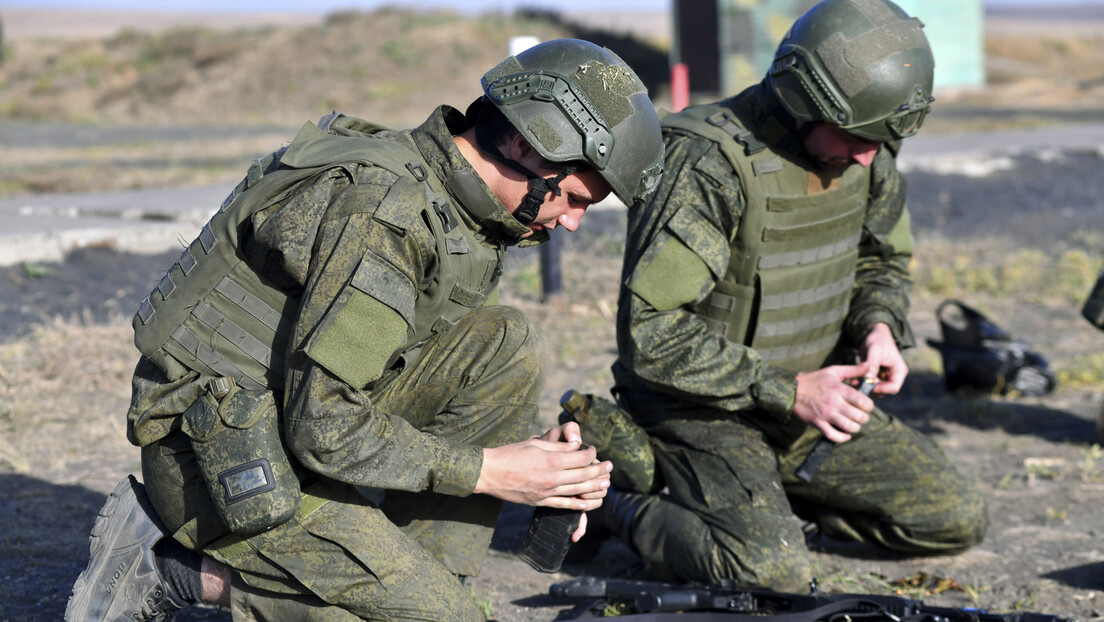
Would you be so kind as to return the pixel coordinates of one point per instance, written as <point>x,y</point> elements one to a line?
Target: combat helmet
<point>573,100</point>
<point>863,65</point>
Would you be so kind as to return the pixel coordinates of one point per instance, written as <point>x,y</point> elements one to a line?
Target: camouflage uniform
<point>384,421</point>
<point>725,439</point>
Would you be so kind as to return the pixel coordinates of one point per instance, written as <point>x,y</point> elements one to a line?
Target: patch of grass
<point>1081,372</point>
<point>1049,278</point>
<point>525,281</point>
<point>485,603</point>
<point>35,271</point>
<point>1057,515</point>
<point>843,580</point>
<point>43,84</point>
<point>1046,469</point>
<point>1090,474</point>
<point>401,53</point>
<point>1030,600</point>
<point>974,589</point>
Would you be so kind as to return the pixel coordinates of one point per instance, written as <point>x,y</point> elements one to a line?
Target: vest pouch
<point>237,445</point>
<point>1093,310</point>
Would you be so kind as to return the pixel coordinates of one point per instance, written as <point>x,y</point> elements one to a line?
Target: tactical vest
<point>213,313</point>
<point>787,287</point>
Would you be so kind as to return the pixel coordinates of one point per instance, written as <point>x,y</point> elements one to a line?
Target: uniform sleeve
<point>361,270</point>
<point>677,249</point>
<point>882,279</point>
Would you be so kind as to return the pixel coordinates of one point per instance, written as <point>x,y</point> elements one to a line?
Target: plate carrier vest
<point>787,287</point>
<point>215,314</point>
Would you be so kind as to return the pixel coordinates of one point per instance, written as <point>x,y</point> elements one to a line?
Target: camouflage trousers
<point>354,554</point>
<point>732,504</point>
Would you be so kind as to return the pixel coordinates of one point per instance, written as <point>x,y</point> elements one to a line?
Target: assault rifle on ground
<point>650,601</point>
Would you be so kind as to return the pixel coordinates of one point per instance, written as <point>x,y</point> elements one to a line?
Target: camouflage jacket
<point>314,241</point>
<point>671,351</point>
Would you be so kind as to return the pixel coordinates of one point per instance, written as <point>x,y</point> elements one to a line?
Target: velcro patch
<point>357,338</point>
<point>674,276</point>
<point>395,209</point>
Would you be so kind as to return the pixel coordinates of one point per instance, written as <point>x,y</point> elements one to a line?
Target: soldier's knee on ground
<point>960,522</point>
<point>783,566</point>
<point>968,523</point>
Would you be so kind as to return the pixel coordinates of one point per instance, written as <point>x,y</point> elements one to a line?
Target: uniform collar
<point>433,139</point>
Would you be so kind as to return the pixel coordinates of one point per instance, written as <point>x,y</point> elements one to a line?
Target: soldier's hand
<point>827,401</point>
<point>570,432</point>
<point>880,351</point>
<point>550,470</point>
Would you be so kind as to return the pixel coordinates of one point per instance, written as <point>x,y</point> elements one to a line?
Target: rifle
<point>652,601</point>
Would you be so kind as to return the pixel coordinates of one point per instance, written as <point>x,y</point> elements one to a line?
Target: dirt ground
<point>1021,243</point>
<point>65,360</point>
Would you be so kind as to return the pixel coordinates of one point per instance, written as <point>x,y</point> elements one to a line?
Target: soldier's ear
<point>518,148</point>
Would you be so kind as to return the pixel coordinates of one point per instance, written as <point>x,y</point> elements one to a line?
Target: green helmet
<point>863,65</point>
<point>575,101</point>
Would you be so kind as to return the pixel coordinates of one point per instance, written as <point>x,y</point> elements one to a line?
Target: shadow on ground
<point>924,401</point>
<point>44,529</point>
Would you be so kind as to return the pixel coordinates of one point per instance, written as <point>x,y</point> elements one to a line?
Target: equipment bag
<point>979,354</point>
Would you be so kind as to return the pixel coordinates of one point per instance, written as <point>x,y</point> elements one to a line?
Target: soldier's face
<point>579,191</point>
<point>833,148</point>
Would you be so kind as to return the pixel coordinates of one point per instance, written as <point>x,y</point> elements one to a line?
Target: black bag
<point>979,354</point>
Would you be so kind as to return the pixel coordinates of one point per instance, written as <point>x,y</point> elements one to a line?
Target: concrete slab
<point>44,228</point>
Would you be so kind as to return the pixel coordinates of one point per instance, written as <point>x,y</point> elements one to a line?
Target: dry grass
<point>392,65</point>
<point>63,396</point>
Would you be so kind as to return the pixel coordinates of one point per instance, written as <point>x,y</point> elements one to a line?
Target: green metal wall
<point>749,32</point>
<point>956,30</point>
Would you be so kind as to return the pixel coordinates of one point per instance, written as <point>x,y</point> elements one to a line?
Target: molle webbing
<point>212,312</point>
<point>209,312</point>
<point>787,288</point>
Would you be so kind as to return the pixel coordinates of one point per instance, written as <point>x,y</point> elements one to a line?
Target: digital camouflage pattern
<point>729,510</point>
<point>416,430</point>
<point>720,416</point>
<point>616,437</point>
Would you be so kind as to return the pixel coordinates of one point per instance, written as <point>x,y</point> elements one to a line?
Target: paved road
<point>953,180</point>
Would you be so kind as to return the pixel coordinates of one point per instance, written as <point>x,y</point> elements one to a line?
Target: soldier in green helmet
<point>763,281</point>
<point>329,405</point>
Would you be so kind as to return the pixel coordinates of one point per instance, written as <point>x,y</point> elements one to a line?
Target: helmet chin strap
<point>539,187</point>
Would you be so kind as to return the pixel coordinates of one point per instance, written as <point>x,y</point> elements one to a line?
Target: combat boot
<point>613,518</point>
<point>618,512</point>
<point>122,581</point>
